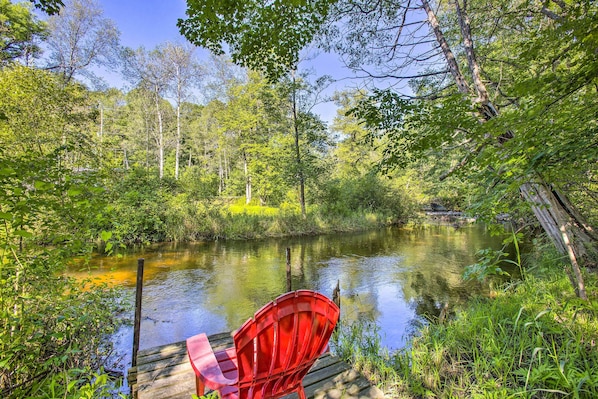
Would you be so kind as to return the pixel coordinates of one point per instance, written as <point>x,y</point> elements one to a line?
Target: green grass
<point>533,339</point>
<point>253,210</point>
<point>234,221</point>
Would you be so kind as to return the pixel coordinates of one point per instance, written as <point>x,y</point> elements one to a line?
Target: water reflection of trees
<point>432,281</point>
<point>406,271</point>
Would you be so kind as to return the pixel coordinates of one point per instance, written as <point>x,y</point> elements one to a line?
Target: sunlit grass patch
<point>359,343</point>
<point>254,210</point>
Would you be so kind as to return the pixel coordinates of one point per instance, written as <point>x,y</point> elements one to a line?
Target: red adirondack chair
<point>273,351</point>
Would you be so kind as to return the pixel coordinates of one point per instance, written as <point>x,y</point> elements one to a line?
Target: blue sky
<point>146,23</point>
<point>152,22</point>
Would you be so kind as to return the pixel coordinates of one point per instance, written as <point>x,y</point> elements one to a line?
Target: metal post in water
<point>289,288</point>
<point>138,296</point>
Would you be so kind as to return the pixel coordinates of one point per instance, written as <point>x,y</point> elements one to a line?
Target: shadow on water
<point>395,277</point>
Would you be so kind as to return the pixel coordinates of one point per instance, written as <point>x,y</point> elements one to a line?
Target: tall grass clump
<point>359,343</point>
<point>535,339</point>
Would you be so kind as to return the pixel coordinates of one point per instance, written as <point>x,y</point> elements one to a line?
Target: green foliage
<point>488,265</point>
<point>359,343</point>
<point>143,208</point>
<point>198,184</point>
<point>385,113</point>
<point>80,384</point>
<point>49,324</point>
<point>490,261</point>
<point>367,193</point>
<point>49,193</point>
<point>211,395</point>
<point>54,334</point>
<point>46,196</point>
<point>41,115</point>
<point>19,33</point>
<point>525,342</point>
<point>50,7</point>
<point>137,208</point>
<point>266,38</point>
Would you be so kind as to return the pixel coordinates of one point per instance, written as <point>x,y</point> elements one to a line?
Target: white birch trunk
<point>160,136</point>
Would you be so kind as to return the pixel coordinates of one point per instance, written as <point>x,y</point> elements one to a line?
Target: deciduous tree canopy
<point>20,32</point>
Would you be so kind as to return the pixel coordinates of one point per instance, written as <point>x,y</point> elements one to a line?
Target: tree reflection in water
<point>395,277</point>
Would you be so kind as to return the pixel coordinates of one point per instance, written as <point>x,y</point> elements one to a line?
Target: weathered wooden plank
<point>326,373</point>
<point>217,340</point>
<point>171,355</point>
<point>326,360</point>
<point>347,385</point>
<point>164,372</point>
<point>182,385</point>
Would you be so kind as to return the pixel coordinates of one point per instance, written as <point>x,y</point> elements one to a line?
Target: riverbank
<point>209,221</point>
<point>533,338</point>
<point>144,209</point>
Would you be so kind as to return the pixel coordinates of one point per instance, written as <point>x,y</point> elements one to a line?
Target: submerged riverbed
<point>395,277</point>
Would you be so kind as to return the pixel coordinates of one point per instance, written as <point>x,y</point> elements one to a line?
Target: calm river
<point>395,277</point>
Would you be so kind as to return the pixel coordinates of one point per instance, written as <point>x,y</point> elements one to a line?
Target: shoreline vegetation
<point>143,209</point>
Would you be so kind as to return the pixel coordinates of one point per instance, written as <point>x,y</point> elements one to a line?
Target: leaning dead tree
<point>562,223</point>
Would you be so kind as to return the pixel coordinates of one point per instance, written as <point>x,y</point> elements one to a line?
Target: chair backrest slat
<point>276,348</point>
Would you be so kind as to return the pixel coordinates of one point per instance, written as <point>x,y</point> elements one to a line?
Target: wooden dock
<point>164,372</point>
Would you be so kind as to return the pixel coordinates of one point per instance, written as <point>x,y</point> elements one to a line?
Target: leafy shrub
<point>137,209</point>
<point>198,184</point>
<point>51,325</point>
<point>362,194</point>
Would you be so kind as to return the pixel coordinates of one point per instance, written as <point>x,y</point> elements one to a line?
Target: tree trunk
<point>101,132</point>
<point>247,179</point>
<point>300,175</point>
<point>562,230</point>
<point>446,50</point>
<point>179,98</point>
<point>147,142</point>
<point>178,141</point>
<point>555,213</point>
<point>220,175</point>
<point>470,53</point>
<point>160,135</point>
<point>226,169</point>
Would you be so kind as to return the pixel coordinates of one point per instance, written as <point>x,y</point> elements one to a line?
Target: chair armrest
<point>204,363</point>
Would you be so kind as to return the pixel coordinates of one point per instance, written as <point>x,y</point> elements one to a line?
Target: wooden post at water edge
<point>336,294</point>
<point>138,296</point>
<point>289,285</point>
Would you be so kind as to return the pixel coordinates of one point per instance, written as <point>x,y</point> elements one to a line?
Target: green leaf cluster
<point>20,31</point>
<point>265,37</point>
